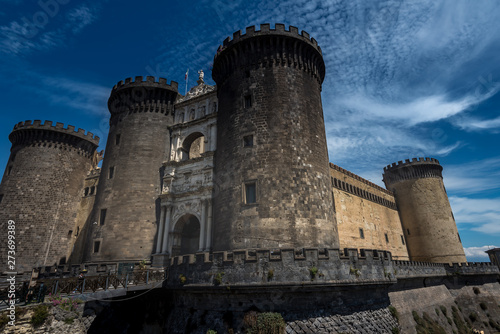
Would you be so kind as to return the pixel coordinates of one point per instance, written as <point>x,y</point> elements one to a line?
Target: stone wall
<point>366,214</point>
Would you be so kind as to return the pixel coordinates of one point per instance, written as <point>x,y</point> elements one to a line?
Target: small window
<point>97,246</point>
<point>386,238</point>
<point>9,170</point>
<point>250,193</point>
<point>77,231</point>
<point>333,202</point>
<point>408,231</point>
<point>92,190</point>
<point>111,172</point>
<point>248,101</point>
<point>102,217</point>
<point>248,141</point>
<point>70,232</point>
<point>402,240</point>
<point>87,191</point>
<point>13,157</point>
<point>1,198</point>
<point>361,233</point>
<point>117,139</point>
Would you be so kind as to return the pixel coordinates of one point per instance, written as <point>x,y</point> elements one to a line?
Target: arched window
<point>193,146</point>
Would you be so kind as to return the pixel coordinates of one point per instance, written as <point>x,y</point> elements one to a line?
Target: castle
<point>238,166</point>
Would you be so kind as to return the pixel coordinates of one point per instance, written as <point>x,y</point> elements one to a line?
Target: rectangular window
<point>248,141</point>
<point>408,231</point>
<point>111,172</point>
<point>386,238</point>
<point>333,202</point>
<point>361,233</point>
<point>97,246</point>
<point>250,193</point>
<point>248,101</point>
<point>87,191</point>
<point>9,170</point>
<point>117,139</point>
<point>402,240</point>
<point>102,217</point>
<point>1,198</point>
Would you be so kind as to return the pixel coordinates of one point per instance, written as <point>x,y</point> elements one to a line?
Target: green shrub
<point>270,274</point>
<point>211,331</point>
<point>395,330</point>
<point>443,309</point>
<point>69,320</point>
<point>218,278</point>
<point>4,319</point>
<point>483,306</point>
<point>313,272</point>
<point>473,316</point>
<point>354,271</point>
<point>394,312</point>
<point>40,314</point>
<point>264,323</point>
<point>182,279</point>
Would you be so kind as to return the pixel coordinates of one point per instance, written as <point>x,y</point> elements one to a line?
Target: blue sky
<point>403,79</point>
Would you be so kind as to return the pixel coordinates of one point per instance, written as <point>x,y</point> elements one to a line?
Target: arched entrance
<point>193,146</point>
<point>186,235</point>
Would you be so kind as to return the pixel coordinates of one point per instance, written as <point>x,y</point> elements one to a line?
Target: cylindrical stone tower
<point>41,190</point>
<point>428,222</point>
<point>271,163</point>
<point>126,211</point>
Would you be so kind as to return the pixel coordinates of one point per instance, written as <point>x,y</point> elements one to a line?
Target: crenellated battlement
<point>17,135</point>
<point>414,169</point>
<point>149,82</point>
<point>265,29</point>
<point>413,162</point>
<point>360,179</point>
<point>138,95</point>
<point>266,48</point>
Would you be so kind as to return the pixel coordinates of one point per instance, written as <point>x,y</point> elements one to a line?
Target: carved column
<point>208,242</point>
<point>213,137</point>
<point>160,229</point>
<point>166,229</point>
<point>203,225</point>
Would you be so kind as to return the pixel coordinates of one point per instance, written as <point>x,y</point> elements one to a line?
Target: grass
<point>394,312</point>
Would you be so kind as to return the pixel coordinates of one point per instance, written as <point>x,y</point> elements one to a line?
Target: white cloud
<point>483,214</point>
<point>473,177</point>
<point>478,252</point>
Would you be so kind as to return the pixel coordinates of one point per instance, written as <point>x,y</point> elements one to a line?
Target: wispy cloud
<point>473,177</point>
<point>483,214</point>
<point>45,27</point>
<point>477,252</point>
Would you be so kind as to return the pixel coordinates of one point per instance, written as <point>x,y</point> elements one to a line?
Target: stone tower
<point>272,184</point>
<point>41,190</point>
<point>428,222</point>
<point>125,214</point>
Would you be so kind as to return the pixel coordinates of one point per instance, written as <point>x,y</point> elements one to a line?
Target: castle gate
<point>186,235</point>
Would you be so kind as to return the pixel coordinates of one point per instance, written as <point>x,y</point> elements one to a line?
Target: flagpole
<point>186,77</point>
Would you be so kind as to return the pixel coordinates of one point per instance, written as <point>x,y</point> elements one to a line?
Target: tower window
<point>386,238</point>
<point>13,157</point>
<point>117,139</point>
<point>111,172</point>
<point>77,231</point>
<point>97,246</point>
<point>250,193</point>
<point>102,217</point>
<point>92,189</point>
<point>87,191</point>
<point>408,231</point>
<point>1,198</point>
<point>248,141</point>
<point>9,170</point>
<point>248,101</point>
<point>361,233</point>
<point>402,240</point>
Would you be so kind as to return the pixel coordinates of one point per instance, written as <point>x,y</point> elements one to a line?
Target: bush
<point>394,312</point>
<point>270,274</point>
<point>218,278</point>
<point>483,306</point>
<point>211,331</point>
<point>69,320</point>
<point>264,323</point>
<point>313,272</point>
<point>40,314</point>
<point>395,330</point>
<point>443,309</point>
<point>3,319</point>
<point>473,316</point>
